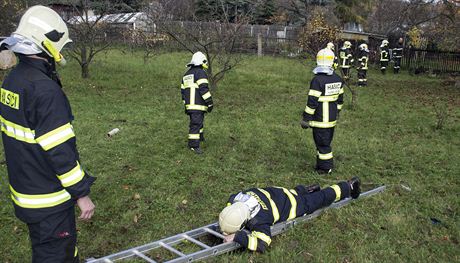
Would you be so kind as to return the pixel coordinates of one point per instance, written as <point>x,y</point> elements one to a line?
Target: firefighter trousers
<point>362,77</point>
<point>383,66</point>
<point>397,65</point>
<point>323,139</point>
<point>54,239</point>
<point>195,134</point>
<point>310,202</point>
<point>346,73</point>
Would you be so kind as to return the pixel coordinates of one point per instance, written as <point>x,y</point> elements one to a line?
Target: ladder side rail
<point>206,253</point>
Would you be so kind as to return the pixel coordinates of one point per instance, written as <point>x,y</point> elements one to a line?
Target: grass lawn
<point>151,186</point>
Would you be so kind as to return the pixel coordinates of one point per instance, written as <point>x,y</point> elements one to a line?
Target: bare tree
<point>88,32</point>
<point>218,40</point>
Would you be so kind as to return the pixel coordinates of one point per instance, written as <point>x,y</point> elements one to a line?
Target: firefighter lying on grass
<point>250,214</point>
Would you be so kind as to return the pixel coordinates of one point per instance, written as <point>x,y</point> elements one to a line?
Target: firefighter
<point>249,214</point>
<point>325,100</point>
<point>196,98</point>
<point>331,46</point>
<point>363,58</point>
<point>46,177</point>
<point>397,55</point>
<point>384,56</point>
<point>346,59</point>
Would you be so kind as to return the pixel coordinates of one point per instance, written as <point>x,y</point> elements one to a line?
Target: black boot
<point>355,187</point>
<point>197,150</point>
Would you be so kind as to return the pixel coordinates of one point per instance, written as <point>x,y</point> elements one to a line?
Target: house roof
<point>122,18</point>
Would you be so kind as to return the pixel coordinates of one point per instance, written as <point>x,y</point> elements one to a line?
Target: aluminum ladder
<point>212,230</point>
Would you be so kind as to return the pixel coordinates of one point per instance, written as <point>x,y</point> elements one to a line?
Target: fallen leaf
<point>136,196</point>
<point>184,202</point>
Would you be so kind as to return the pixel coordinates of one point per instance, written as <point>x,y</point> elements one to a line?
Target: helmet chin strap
<point>58,58</point>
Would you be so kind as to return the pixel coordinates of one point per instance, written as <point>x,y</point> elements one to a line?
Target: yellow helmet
<point>46,29</point>
<point>325,58</point>
<point>232,218</point>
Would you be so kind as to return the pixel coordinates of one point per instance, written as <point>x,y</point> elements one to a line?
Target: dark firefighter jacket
<point>384,53</point>
<point>277,204</point>
<point>346,57</point>
<point>325,100</point>
<point>363,58</point>
<point>194,89</point>
<point>44,171</point>
<point>397,51</point>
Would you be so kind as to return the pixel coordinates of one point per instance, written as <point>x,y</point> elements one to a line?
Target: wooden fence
<point>419,61</point>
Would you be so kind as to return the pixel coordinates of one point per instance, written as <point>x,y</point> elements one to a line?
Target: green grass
<point>254,139</point>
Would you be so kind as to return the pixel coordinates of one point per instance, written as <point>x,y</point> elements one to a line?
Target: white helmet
<point>233,217</point>
<point>325,58</point>
<point>347,44</point>
<point>385,42</point>
<point>198,59</point>
<point>330,46</point>
<point>363,46</point>
<point>46,29</point>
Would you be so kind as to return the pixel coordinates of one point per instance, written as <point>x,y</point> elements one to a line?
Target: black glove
<point>304,124</point>
<point>210,107</point>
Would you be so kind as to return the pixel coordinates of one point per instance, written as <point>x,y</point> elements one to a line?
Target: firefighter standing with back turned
<point>196,98</point>
<point>397,56</point>
<point>45,175</point>
<point>325,100</point>
<point>250,214</point>
<point>363,58</point>
<point>346,59</point>
<point>384,56</point>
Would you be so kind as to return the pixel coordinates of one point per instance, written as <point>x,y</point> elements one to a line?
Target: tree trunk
<point>84,63</point>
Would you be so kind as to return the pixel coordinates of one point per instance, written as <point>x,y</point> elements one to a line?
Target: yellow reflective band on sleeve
<point>318,124</point>
<point>276,214</point>
<point>325,156</point>
<point>314,93</point>
<point>56,137</point>
<point>17,132</point>
<point>293,191</point>
<point>201,81</point>
<point>39,200</point>
<point>293,211</point>
<point>339,106</point>
<point>196,107</point>
<point>194,136</point>
<point>75,254</point>
<point>252,242</point>
<point>328,98</point>
<point>262,237</point>
<point>337,191</point>
<point>207,95</point>
<point>72,177</point>
<point>341,91</point>
<point>309,110</point>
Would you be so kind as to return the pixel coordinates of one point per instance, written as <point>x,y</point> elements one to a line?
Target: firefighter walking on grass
<point>384,56</point>
<point>397,53</point>
<point>249,214</point>
<point>46,177</point>
<point>197,99</point>
<point>363,58</point>
<point>325,100</point>
<point>346,59</point>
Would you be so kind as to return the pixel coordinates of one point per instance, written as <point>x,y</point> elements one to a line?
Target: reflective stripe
<point>39,200</point>
<point>192,95</point>
<point>309,110</point>
<point>339,106</point>
<point>201,130</point>
<point>196,107</point>
<point>341,91</point>
<point>328,98</point>
<point>207,95</point>
<point>326,111</point>
<point>191,86</point>
<point>293,191</point>
<point>252,242</point>
<point>76,252</point>
<point>325,156</point>
<point>314,93</point>
<point>17,132</point>
<point>337,191</point>
<point>72,177</point>
<point>276,214</point>
<point>318,124</point>
<point>325,57</point>
<point>56,136</point>
<point>262,237</point>
<point>182,86</point>
<point>293,211</point>
<point>194,136</point>
<point>202,81</point>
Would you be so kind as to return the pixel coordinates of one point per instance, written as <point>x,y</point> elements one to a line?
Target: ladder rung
<point>170,248</point>
<point>217,234</point>
<point>203,245</point>
<point>139,254</point>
